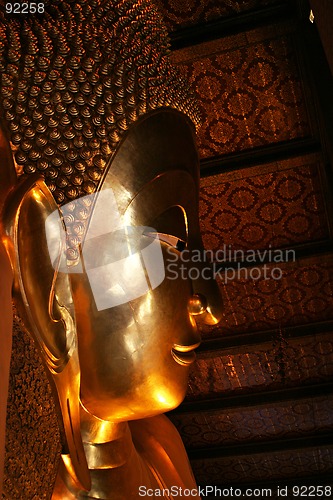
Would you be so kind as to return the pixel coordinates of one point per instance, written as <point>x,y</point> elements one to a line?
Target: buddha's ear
<point>44,300</point>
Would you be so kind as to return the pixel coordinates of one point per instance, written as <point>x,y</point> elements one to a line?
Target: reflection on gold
<point>146,308</point>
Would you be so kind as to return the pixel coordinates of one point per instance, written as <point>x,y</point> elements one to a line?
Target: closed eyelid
<point>171,240</point>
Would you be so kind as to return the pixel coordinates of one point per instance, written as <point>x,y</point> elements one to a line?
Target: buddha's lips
<point>184,355</point>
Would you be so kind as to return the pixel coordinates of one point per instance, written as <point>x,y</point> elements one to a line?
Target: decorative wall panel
<point>273,205</point>
<point>33,442</point>
<point>255,301</point>
<point>254,468</point>
<point>256,368</point>
<point>182,13</point>
<point>238,425</point>
<point>249,88</point>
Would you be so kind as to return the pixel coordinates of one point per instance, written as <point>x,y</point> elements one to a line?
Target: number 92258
<point>24,8</point>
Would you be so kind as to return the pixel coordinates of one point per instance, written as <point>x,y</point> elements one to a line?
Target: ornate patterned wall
<point>278,204</point>
<point>249,87</point>
<point>302,295</point>
<point>253,91</point>
<point>250,369</point>
<point>255,424</point>
<point>237,470</point>
<point>33,440</point>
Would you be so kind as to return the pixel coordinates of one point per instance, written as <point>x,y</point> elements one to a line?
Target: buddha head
<point>103,133</point>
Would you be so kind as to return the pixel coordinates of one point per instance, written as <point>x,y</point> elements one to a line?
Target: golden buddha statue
<point>90,101</point>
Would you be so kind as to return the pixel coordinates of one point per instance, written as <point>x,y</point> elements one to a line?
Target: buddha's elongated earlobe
<point>44,300</point>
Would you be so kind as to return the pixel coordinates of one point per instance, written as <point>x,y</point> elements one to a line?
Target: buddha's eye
<point>171,240</point>
<point>181,245</point>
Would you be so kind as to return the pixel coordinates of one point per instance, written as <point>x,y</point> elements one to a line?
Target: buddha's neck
<point>106,444</point>
<point>117,471</point>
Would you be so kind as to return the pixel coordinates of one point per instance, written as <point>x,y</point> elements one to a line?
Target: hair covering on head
<point>73,81</point>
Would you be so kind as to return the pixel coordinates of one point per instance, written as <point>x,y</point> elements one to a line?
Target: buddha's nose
<point>205,305</point>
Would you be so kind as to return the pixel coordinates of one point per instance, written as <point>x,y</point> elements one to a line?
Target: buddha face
<point>135,356</point>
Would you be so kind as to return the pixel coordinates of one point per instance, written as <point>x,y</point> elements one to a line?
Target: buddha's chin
<point>147,401</point>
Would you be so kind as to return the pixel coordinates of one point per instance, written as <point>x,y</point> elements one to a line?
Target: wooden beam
<point>258,156</point>
<point>223,27</point>
<point>232,342</point>
<point>224,402</point>
<point>267,447</point>
<point>323,18</point>
<point>302,251</point>
<point>318,75</point>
